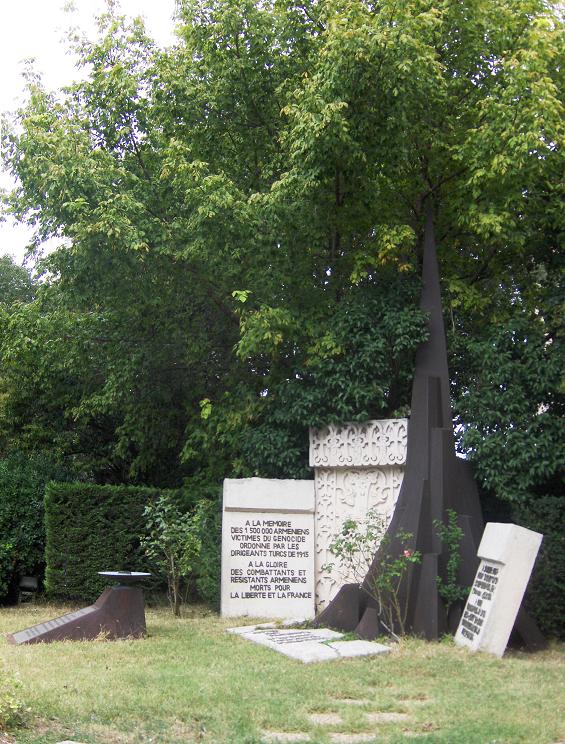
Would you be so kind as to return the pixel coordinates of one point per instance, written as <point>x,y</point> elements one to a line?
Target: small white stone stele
<point>507,554</point>
<point>308,646</point>
<point>268,548</point>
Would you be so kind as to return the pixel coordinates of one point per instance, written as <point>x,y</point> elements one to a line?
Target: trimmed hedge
<point>23,477</point>
<point>545,597</point>
<point>92,528</point>
<point>207,568</point>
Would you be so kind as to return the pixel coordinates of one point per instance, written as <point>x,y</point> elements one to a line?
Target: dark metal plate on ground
<point>118,612</point>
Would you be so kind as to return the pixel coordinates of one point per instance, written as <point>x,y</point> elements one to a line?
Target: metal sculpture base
<point>119,612</point>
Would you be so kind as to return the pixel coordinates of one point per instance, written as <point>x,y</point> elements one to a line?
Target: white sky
<point>36,28</point>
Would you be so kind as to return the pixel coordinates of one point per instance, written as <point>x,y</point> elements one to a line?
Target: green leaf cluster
<point>171,541</point>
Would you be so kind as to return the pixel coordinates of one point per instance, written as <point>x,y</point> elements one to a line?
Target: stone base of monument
<point>308,646</point>
<point>119,612</point>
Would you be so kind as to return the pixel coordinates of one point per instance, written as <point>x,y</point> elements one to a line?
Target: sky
<point>36,29</point>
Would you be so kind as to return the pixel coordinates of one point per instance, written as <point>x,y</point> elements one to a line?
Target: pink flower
<point>408,553</point>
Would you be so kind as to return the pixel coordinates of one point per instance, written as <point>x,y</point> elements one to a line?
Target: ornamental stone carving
<point>368,444</point>
<point>358,467</point>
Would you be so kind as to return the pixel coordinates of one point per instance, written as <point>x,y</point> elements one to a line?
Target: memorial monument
<point>119,612</point>
<point>435,482</point>
<point>268,548</point>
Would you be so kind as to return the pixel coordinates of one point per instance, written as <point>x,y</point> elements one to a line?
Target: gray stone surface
<point>507,554</point>
<point>268,548</point>
<point>308,646</point>
<point>386,717</point>
<point>325,719</point>
<point>360,648</point>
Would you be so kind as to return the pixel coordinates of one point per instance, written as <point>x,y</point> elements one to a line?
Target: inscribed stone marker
<point>507,554</point>
<point>268,548</point>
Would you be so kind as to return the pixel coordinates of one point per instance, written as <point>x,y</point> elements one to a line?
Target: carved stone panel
<point>347,493</point>
<point>368,444</point>
<point>358,467</point>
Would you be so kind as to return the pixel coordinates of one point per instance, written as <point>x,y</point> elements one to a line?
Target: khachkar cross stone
<point>507,554</point>
<point>358,467</point>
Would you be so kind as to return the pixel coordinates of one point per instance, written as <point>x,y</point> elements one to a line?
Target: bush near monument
<point>171,542</point>
<point>94,528</point>
<point>545,596</point>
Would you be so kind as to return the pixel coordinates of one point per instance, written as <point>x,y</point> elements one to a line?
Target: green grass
<point>190,681</point>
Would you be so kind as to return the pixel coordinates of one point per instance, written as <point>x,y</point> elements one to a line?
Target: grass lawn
<point>190,681</point>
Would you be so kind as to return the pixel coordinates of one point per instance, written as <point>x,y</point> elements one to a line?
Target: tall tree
<point>256,186</point>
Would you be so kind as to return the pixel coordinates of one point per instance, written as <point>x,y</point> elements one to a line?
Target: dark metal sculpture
<point>119,612</point>
<point>435,481</point>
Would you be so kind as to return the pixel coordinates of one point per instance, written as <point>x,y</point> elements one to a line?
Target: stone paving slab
<point>325,719</point>
<point>386,717</point>
<point>282,737</point>
<point>360,738</point>
<point>307,645</point>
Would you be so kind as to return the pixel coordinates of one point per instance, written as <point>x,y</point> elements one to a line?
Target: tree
<point>272,169</point>
<point>16,284</point>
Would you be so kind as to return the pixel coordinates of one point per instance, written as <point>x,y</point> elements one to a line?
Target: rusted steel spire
<point>435,480</point>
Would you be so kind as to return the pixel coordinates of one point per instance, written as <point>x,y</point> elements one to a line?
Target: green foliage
<point>92,528</point>
<point>22,530</point>
<point>513,405</point>
<point>13,712</point>
<point>385,583</point>
<point>207,521</point>
<point>545,597</point>
<point>289,151</point>
<point>171,541</point>
<point>355,544</point>
<point>513,402</point>
<point>355,363</point>
<point>16,284</point>
<point>6,566</point>
<point>450,534</point>
<point>355,547</point>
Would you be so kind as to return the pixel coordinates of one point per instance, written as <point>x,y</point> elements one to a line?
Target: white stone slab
<point>268,548</point>
<point>359,648</point>
<point>507,554</point>
<point>269,495</point>
<point>306,645</point>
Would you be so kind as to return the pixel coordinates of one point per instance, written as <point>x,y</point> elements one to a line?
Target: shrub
<point>13,712</point>
<point>545,597</point>
<point>355,545</point>
<point>171,542</point>
<point>207,567</point>
<point>92,528</point>
<point>22,532</point>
